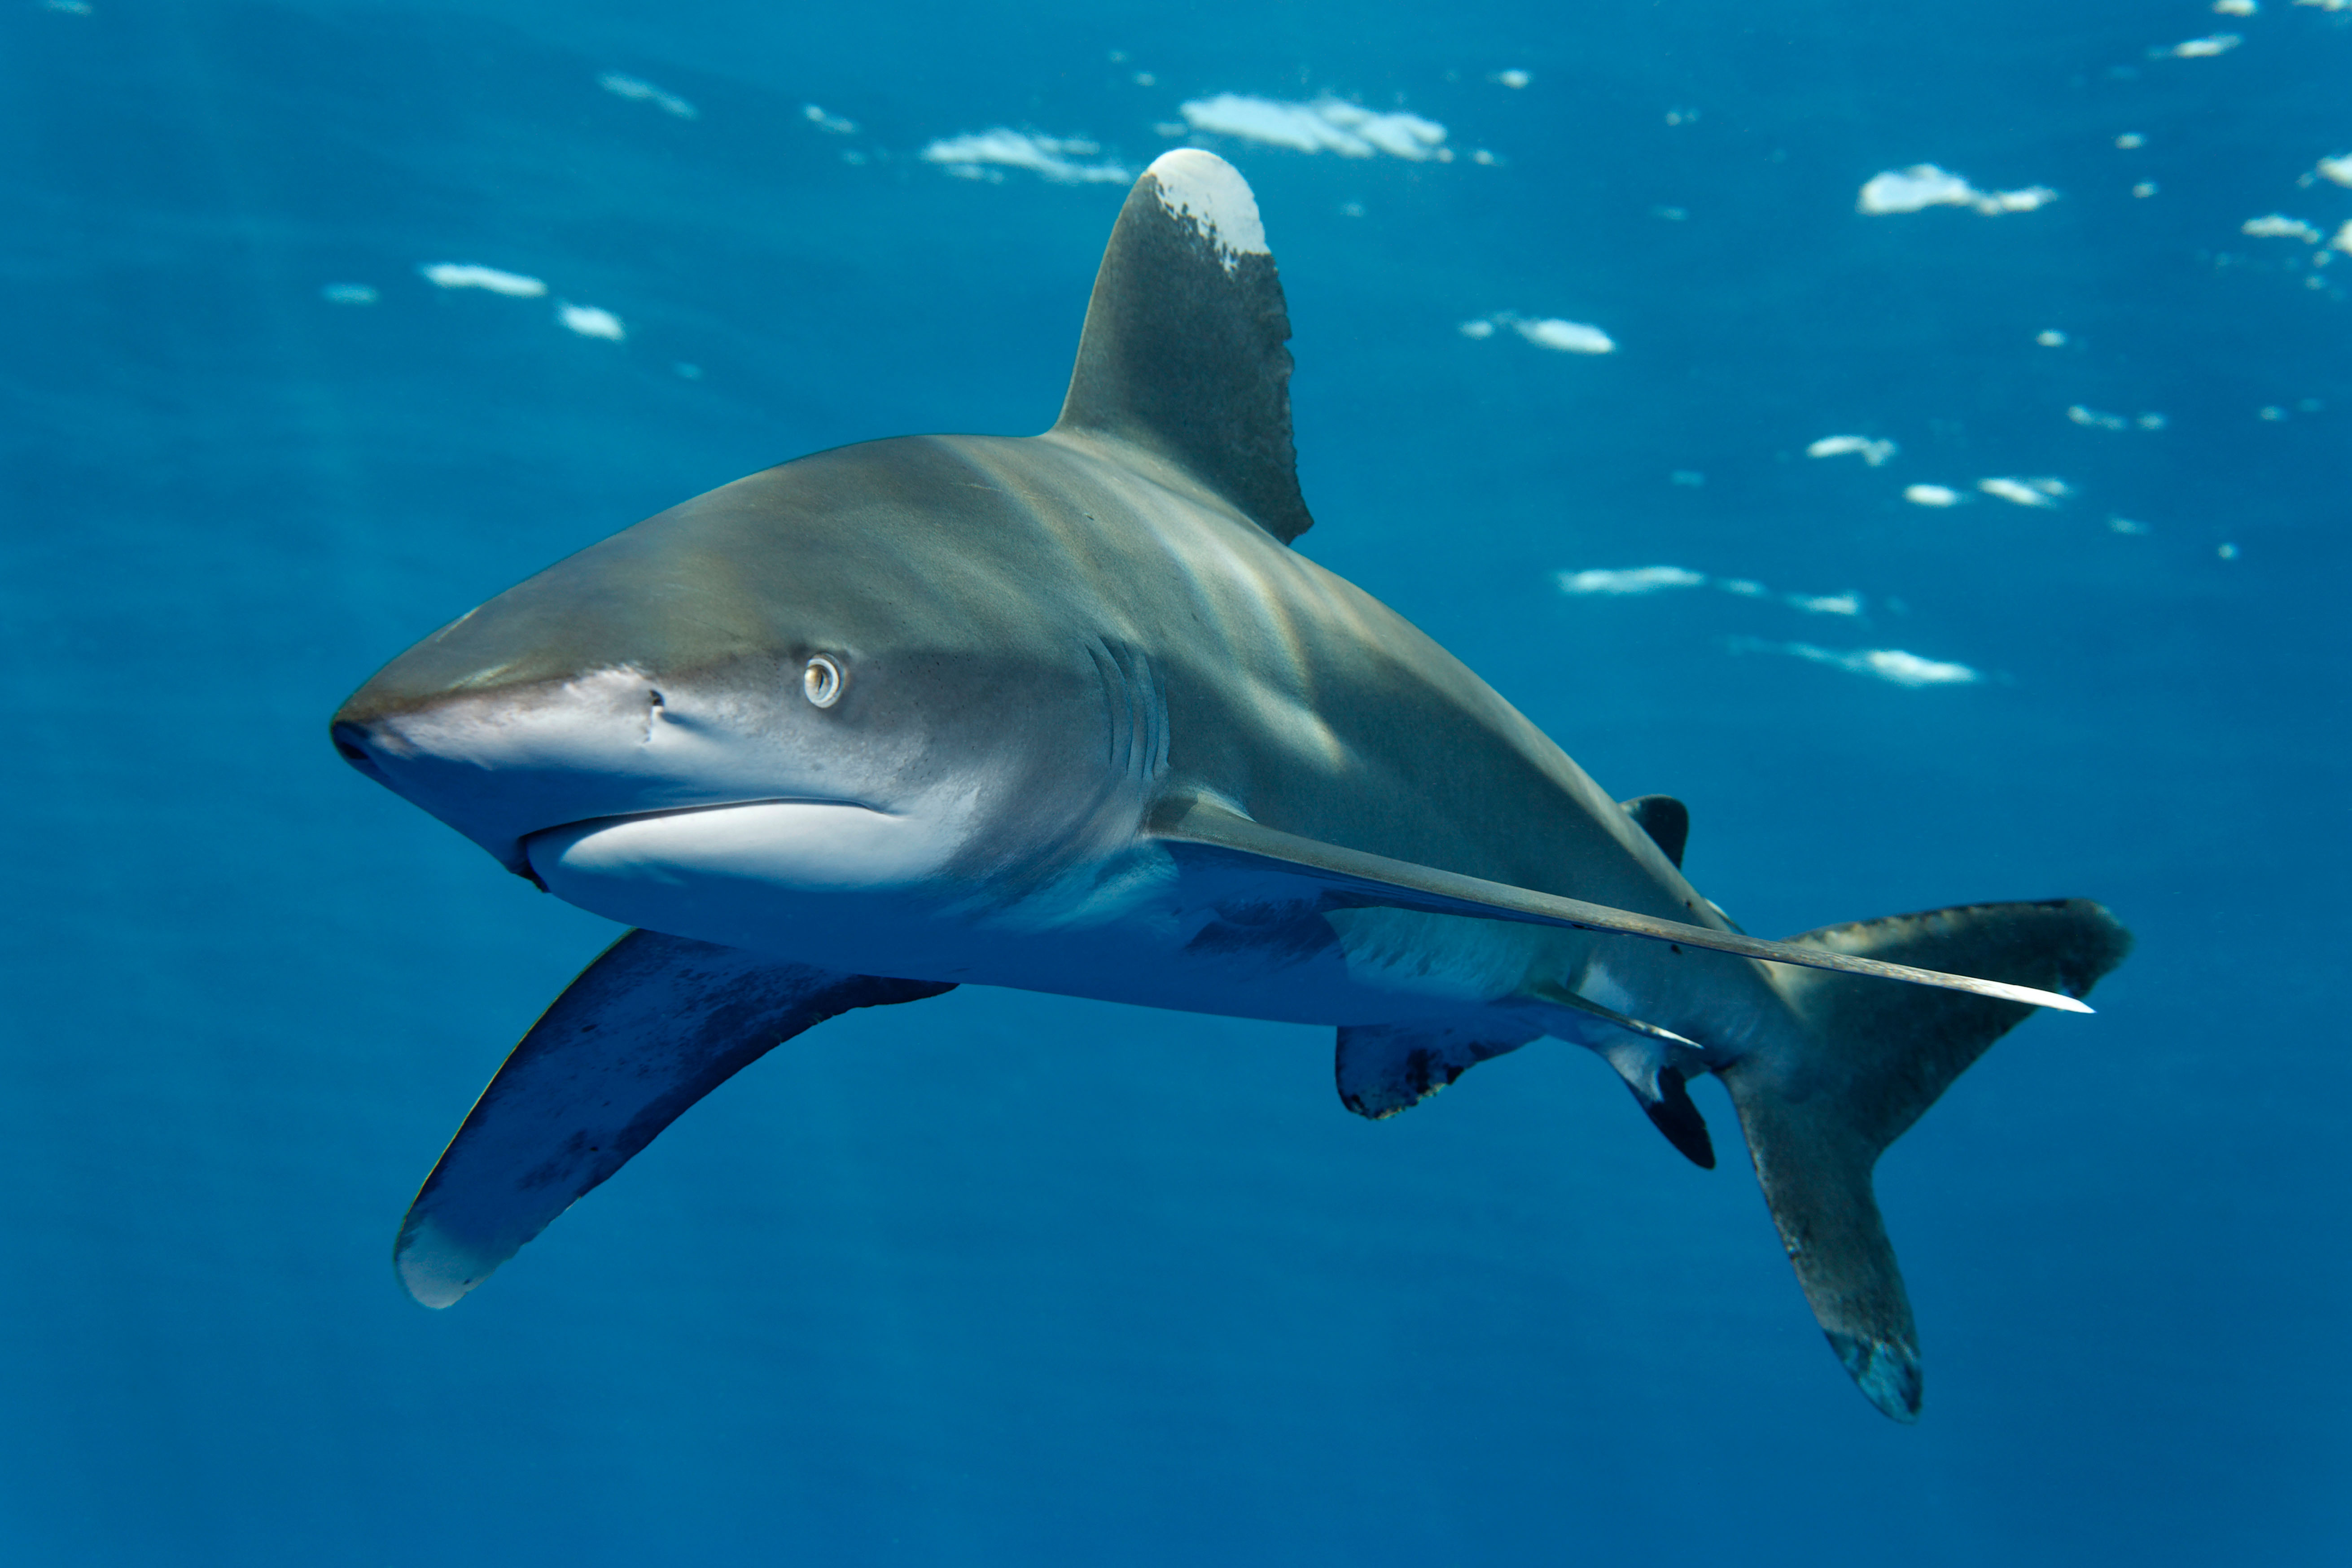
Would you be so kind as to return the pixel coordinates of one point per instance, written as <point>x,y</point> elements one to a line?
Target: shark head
<point>835,679</point>
<point>916,671</point>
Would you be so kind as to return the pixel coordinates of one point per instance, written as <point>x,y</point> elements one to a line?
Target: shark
<point>1072,713</point>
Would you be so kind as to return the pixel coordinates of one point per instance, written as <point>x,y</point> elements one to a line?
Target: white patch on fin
<point>437,1267</point>
<point>1210,194</point>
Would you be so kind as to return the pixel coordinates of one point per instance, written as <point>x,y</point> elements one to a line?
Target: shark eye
<point>823,681</point>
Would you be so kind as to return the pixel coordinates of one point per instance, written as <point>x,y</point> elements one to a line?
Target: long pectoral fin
<point>653,1026</point>
<point>1209,828</point>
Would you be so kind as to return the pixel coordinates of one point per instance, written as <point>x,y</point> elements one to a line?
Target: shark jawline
<point>520,856</point>
<point>609,819</point>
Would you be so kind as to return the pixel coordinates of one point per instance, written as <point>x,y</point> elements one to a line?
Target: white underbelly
<point>848,888</point>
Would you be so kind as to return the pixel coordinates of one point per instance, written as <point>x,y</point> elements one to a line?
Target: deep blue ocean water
<point>1007,1279</point>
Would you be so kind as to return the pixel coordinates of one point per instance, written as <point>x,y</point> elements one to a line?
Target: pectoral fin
<point>1202,828</point>
<point>653,1026</point>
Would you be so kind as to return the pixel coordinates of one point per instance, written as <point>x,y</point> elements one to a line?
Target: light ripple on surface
<point>642,91</point>
<point>1546,333</point>
<point>473,275</point>
<point>1621,582</point>
<point>2205,47</point>
<point>1889,664</point>
<point>983,155</point>
<point>1872,452</point>
<point>1324,125</point>
<point>591,321</point>
<point>2027,492</point>
<point>2097,420</point>
<point>1924,185</point>
<point>2278,226</point>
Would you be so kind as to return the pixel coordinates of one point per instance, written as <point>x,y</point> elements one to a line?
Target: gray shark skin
<point>1068,714</point>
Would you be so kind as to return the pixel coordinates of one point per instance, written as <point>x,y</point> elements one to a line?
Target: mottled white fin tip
<point>435,1267</point>
<point>1210,194</point>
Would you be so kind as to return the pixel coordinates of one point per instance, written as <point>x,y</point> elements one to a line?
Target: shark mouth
<point>543,840</point>
<point>715,868</point>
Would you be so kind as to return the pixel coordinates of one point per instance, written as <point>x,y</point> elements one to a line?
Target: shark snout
<point>503,764</point>
<point>351,745</point>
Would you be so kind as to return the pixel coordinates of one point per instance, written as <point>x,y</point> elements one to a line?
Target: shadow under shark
<point>1068,713</point>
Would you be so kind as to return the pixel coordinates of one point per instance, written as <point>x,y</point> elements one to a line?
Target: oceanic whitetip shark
<point>1069,713</point>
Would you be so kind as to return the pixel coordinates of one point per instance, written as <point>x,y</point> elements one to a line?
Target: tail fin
<point>1879,1055</point>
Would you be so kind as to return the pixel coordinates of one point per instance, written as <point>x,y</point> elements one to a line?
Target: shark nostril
<point>351,744</point>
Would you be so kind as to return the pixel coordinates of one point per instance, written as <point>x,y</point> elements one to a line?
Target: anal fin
<point>1654,1062</point>
<point>1674,1114</point>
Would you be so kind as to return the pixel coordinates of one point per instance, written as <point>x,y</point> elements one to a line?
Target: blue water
<point>1005,1279</point>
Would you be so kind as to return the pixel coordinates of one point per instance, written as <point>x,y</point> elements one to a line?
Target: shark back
<point>1291,692</point>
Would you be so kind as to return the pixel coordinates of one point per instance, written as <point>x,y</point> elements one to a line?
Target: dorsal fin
<point>1665,819</point>
<point>1183,345</point>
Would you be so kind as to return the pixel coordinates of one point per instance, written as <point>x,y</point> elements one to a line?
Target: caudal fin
<point>1816,1120</point>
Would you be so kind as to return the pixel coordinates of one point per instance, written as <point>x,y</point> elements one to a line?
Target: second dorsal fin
<point>1183,351</point>
<point>1665,819</point>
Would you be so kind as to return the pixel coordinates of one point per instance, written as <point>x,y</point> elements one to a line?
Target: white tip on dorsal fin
<point>1210,194</point>
<point>1183,353</point>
